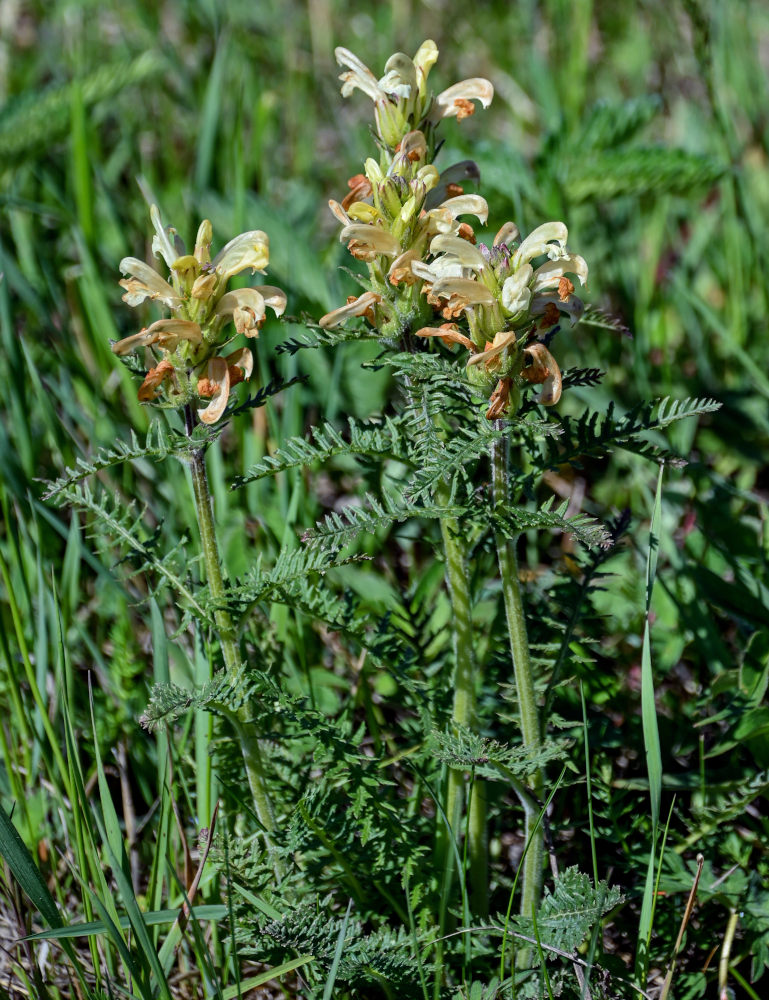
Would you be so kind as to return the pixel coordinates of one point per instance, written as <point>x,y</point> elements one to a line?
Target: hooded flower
<point>196,294</point>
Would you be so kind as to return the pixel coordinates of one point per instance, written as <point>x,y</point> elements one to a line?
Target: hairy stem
<point>243,725</point>
<point>524,682</point>
<point>464,709</point>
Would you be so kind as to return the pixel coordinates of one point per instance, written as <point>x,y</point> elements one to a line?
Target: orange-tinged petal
<point>218,384</point>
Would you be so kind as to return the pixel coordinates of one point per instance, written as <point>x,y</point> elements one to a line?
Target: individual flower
<point>196,294</point>
<point>507,294</point>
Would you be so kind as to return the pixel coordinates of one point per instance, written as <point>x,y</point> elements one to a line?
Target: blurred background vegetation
<point>644,126</point>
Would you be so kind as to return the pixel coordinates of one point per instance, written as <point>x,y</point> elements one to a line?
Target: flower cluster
<point>400,203</point>
<point>189,365</point>
<point>506,302</point>
<point>402,217</point>
<point>402,102</point>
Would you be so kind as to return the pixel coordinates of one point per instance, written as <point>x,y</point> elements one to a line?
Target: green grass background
<point>232,111</point>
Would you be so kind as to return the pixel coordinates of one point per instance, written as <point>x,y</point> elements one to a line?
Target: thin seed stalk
<point>531,875</point>
<point>249,744</point>
<point>464,710</point>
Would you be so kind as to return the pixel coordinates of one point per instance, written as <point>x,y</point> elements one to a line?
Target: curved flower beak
<point>357,75</point>
<point>355,307</point>
<point>502,340</point>
<point>462,292</point>
<point>250,249</point>
<point>540,241</point>
<point>464,252</point>
<point>145,283</point>
<point>166,333</point>
<point>552,271</point>
<point>162,246</point>
<point>367,242</point>
<point>543,370</point>
<point>456,101</point>
<point>448,333</point>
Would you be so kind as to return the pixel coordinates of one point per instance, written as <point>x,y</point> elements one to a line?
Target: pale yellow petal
<point>467,204</point>
<point>537,243</point>
<point>145,283</point>
<point>502,340</point>
<point>516,294</point>
<point>449,102</point>
<point>465,253</point>
<point>472,293</point>
<point>250,249</point>
<point>358,75</point>
<point>551,272</point>
<point>357,307</point>
<point>371,238</point>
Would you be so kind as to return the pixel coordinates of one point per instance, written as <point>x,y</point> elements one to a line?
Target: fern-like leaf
<point>342,527</point>
<point>325,441</point>
<point>123,525</point>
<point>261,396</point>
<point>569,912</point>
<point>316,337</point>
<point>156,446</point>
<point>585,528</point>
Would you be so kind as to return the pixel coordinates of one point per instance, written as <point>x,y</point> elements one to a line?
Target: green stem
<point>464,710</point>
<point>524,683</point>
<point>241,720</point>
